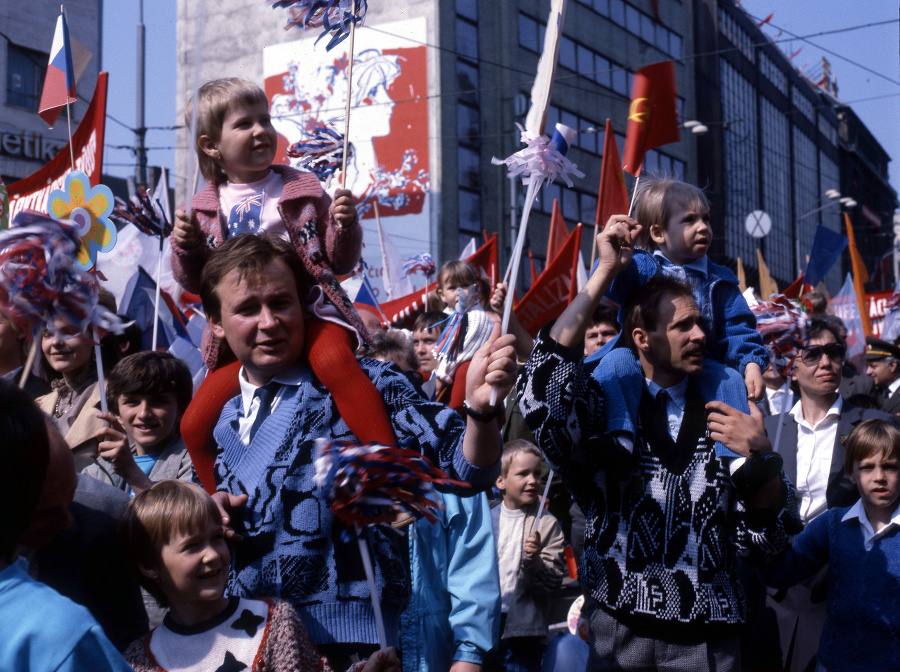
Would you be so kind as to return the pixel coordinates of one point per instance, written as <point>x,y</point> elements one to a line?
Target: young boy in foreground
<point>861,545</point>
<point>172,536</point>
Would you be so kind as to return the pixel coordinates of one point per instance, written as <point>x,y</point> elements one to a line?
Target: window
<point>469,216</point>
<point>466,39</point>
<point>617,11</point>
<point>528,33</point>
<point>567,54</point>
<point>468,169</point>
<point>25,69</point>
<point>467,124</point>
<point>467,79</point>
<point>601,71</point>
<point>467,8</point>
<point>632,20</point>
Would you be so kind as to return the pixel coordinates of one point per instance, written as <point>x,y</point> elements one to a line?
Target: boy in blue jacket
<point>861,545</point>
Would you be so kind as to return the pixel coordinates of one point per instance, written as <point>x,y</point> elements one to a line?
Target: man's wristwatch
<point>482,417</point>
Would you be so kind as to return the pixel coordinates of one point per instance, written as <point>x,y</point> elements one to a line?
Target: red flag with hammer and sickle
<point>652,119</point>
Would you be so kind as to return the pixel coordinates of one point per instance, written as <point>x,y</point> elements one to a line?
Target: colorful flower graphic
<point>88,209</point>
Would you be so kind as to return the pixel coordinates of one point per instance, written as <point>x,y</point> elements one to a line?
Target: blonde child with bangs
<point>675,237</point>
<point>173,538</point>
<point>246,194</point>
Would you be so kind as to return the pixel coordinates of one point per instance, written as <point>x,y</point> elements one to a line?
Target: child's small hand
<point>754,381</point>
<point>343,209</point>
<point>383,661</point>
<point>113,445</point>
<point>533,545</point>
<point>185,234</point>
<point>498,297</point>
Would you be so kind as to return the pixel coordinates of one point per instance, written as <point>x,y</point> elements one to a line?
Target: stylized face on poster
<point>389,162</point>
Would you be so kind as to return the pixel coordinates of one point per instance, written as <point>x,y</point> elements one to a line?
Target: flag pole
<point>347,109</point>
<point>156,299</point>
<point>637,181</point>
<point>62,11</point>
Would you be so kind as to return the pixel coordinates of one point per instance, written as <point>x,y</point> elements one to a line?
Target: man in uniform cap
<point>883,366</point>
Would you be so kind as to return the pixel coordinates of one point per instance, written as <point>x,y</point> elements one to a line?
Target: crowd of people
<point>720,518</point>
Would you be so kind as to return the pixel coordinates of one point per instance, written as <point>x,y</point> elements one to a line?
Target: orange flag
<point>652,116</point>
<point>860,277</point>
<point>549,296</point>
<point>534,273</point>
<point>612,196</point>
<point>559,232</point>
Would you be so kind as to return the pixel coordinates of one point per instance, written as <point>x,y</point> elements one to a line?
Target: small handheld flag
<point>59,84</point>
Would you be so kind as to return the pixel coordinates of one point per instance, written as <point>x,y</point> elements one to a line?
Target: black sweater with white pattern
<point>661,535</point>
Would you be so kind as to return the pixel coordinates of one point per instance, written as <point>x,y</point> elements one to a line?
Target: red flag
<point>766,20</point>
<point>559,232</point>
<point>795,289</point>
<point>550,295</point>
<point>612,197</point>
<point>32,192</point>
<point>652,116</point>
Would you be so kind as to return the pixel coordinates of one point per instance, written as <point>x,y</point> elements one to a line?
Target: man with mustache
<point>811,443</point>
<point>665,526</point>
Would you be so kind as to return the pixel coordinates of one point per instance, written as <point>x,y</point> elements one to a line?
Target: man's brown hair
<point>642,307</point>
<point>248,254</point>
<point>216,99</point>
<point>154,516</point>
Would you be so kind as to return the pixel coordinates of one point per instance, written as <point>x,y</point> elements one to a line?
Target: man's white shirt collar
<point>893,387</point>
<point>869,534</point>
<point>698,266</point>
<point>291,378</point>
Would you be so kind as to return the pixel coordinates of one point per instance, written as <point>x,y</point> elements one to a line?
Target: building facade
<point>781,143</point>
<point>26,35</point>
<point>456,76</point>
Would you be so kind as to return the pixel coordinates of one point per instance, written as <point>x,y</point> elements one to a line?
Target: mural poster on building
<point>389,129</point>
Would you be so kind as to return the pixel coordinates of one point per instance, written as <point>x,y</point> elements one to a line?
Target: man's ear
<point>658,234</point>
<point>641,339</point>
<point>215,326</point>
<point>209,146</point>
<point>501,483</point>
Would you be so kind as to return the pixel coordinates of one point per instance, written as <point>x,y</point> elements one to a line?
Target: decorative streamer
<point>368,484</point>
<point>335,17</point>
<point>41,280</point>
<point>322,153</point>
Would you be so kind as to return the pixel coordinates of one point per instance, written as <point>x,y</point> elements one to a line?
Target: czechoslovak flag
<point>59,84</point>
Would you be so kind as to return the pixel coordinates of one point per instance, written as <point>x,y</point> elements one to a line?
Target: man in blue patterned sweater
<point>664,526</point>
<point>293,548</point>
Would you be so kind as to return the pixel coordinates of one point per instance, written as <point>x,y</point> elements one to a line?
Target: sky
<point>865,58</point>
<point>119,58</point>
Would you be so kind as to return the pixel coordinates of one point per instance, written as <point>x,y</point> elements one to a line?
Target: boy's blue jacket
<point>731,336</point>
